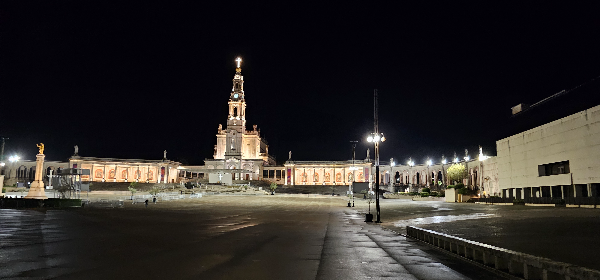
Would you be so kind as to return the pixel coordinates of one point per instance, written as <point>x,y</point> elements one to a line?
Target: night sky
<point>131,80</point>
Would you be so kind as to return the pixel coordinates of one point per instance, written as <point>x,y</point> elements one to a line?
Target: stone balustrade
<point>514,263</point>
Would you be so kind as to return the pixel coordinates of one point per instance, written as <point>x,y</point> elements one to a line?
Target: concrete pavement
<point>218,237</point>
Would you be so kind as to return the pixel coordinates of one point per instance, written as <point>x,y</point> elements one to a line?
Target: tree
<point>154,191</point>
<point>65,187</point>
<point>273,187</point>
<point>132,189</point>
<point>457,172</point>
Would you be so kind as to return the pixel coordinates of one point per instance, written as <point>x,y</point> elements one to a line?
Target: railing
<point>515,263</point>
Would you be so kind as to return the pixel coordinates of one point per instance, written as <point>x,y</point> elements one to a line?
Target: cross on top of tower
<point>239,62</point>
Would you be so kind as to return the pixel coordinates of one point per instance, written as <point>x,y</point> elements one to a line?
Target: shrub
<point>424,194</point>
<point>441,194</point>
<point>465,191</point>
<point>425,190</point>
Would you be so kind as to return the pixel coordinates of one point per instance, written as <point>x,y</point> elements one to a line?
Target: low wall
<point>451,195</point>
<point>397,196</point>
<point>515,263</point>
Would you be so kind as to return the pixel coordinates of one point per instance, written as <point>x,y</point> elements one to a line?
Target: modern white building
<point>559,159</point>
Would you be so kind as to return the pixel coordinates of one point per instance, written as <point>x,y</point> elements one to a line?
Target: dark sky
<point>131,80</point>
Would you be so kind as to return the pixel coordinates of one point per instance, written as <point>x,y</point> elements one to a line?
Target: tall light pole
<point>353,168</point>
<point>376,137</point>
<point>411,163</point>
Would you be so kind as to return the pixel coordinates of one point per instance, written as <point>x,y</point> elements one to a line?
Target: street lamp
<point>375,138</point>
<point>353,168</point>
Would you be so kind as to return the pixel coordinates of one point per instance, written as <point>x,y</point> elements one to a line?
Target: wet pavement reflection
<point>559,233</point>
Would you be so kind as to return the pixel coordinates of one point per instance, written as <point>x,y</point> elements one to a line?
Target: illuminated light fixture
<point>467,158</point>
<point>429,163</point>
<point>376,137</point>
<point>2,164</point>
<point>14,158</point>
<point>444,161</point>
<point>393,164</point>
<point>455,160</point>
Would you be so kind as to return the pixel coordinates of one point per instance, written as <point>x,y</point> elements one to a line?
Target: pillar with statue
<point>36,190</point>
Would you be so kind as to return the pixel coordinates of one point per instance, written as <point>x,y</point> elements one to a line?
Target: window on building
<point>271,173</point>
<point>265,173</point>
<point>555,168</point>
<point>278,174</point>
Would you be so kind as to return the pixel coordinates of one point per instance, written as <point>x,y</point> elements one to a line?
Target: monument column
<point>36,191</point>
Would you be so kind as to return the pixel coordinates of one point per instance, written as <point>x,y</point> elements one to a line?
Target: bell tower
<point>236,121</point>
<point>237,105</point>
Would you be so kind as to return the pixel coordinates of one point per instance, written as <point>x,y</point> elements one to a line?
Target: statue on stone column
<point>41,147</point>
<point>290,155</point>
<point>76,150</point>
<point>220,128</point>
<point>480,150</point>
<point>368,157</point>
<point>165,154</point>
<point>466,153</point>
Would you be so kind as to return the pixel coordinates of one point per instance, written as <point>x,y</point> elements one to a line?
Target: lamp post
<point>376,137</point>
<point>411,163</point>
<point>353,168</point>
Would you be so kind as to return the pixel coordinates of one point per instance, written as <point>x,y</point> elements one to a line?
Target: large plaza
<point>278,237</point>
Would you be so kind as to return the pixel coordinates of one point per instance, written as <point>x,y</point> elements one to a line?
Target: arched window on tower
<point>235,111</point>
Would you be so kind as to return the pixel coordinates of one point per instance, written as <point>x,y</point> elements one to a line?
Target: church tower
<point>238,147</point>
<point>236,121</point>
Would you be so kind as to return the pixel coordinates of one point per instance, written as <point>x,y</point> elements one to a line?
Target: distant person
<point>154,199</point>
<point>146,203</point>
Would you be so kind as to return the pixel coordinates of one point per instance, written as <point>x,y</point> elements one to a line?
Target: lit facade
<point>244,151</point>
